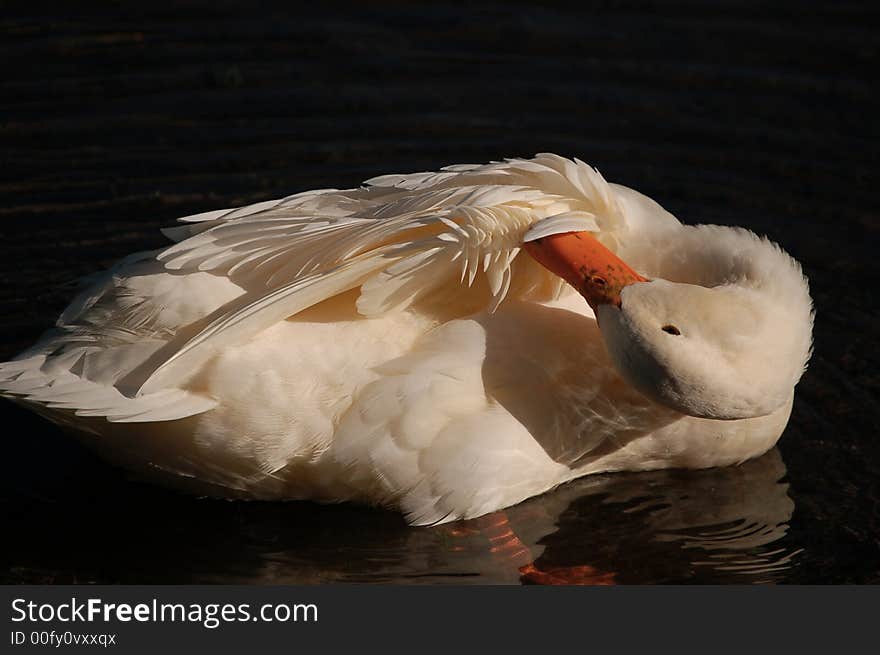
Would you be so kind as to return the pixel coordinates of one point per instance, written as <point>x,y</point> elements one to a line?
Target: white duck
<point>413,343</point>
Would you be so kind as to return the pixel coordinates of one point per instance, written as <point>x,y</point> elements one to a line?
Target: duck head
<point>717,325</point>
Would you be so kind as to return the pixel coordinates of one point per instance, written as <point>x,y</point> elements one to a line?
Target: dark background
<point>117,118</point>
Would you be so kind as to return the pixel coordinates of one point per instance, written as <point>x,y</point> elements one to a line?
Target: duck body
<point>391,344</point>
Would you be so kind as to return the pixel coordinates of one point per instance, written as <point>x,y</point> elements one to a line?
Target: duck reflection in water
<point>719,525</point>
<point>709,526</point>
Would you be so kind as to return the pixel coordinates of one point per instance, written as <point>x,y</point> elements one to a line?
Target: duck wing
<point>453,234</point>
<point>451,238</point>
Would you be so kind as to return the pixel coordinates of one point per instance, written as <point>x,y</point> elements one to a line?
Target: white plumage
<point>394,344</point>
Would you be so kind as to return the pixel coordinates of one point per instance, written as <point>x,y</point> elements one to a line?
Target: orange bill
<point>582,261</point>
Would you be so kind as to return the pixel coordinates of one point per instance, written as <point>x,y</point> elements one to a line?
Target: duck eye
<point>671,329</point>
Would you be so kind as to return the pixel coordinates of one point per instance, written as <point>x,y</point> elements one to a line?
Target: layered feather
<point>401,239</point>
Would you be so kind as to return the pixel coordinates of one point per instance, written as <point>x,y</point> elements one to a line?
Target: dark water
<point>113,123</point>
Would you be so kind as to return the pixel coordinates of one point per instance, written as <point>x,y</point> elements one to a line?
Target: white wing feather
<point>66,392</point>
<point>560,224</point>
<point>401,238</point>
